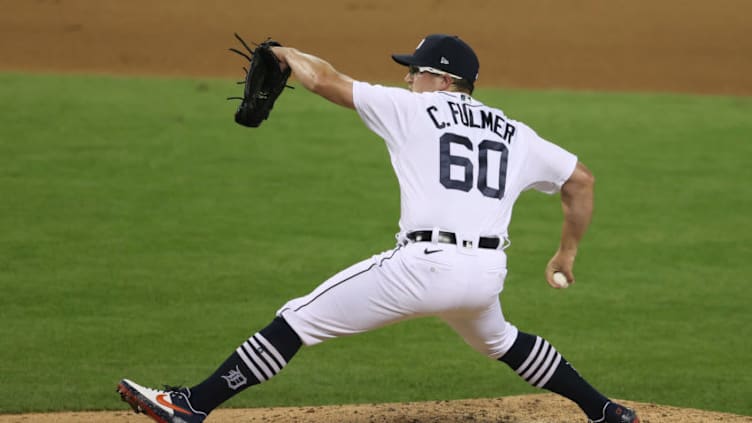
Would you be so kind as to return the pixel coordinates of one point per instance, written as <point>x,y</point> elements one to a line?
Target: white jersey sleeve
<point>547,166</point>
<point>386,111</point>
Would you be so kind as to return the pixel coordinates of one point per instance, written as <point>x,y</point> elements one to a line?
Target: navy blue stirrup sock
<point>538,362</point>
<point>256,360</point>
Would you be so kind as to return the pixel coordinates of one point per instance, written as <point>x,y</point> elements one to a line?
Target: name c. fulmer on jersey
<point>465,115</point>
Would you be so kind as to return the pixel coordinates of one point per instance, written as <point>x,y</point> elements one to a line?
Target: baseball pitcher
<point>461,165</point>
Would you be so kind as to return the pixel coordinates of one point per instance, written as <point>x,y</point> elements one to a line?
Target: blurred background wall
<point>645,45</point>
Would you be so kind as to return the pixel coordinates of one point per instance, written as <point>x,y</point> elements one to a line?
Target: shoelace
<point>179,390</point>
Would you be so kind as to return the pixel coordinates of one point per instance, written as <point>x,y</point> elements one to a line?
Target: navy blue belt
<point>451,238</point>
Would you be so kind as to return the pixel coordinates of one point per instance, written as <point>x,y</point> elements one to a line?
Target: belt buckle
<point>467,241</point>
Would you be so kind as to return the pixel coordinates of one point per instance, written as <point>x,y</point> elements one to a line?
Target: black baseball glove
<point>264,82</point>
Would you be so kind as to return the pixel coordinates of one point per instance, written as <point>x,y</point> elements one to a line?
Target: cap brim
<point>405,59</point>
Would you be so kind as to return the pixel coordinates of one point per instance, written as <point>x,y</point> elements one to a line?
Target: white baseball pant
<point>460,285</point>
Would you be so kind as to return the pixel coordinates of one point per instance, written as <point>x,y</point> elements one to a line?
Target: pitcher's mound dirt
<point>544,408</point>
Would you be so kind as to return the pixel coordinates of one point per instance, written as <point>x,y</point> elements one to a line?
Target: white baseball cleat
<point>172,405</point>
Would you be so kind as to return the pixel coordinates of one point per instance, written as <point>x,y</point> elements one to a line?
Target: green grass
<point>145,235</point>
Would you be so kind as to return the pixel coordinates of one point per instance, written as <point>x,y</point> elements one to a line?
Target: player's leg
<point>535,360</point>
<point>352,301</point>
<point>256,360</point>
<point>538,362</point>
<point>355,300</point>
<point>368,295</point>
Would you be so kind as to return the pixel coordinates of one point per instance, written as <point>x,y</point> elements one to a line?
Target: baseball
<point>560,280</point>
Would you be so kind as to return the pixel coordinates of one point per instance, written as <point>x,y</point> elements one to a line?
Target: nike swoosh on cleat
<point>161,400</point>
<point>427,251</point>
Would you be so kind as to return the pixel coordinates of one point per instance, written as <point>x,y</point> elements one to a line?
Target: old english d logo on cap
<point>444,52</point>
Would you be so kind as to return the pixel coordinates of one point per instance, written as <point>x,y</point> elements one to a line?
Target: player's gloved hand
<point>264,81</point>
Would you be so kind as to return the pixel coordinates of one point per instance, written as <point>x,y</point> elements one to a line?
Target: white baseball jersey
<point>460,166</point>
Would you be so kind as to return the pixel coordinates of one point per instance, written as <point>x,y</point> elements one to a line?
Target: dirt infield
<point>645,45</point>
<point>545,408</point>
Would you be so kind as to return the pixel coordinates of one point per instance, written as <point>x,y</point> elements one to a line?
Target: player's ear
<point>446,82</point>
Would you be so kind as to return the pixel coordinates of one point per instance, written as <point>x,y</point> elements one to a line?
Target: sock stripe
<point>249,364</point>
<point>530,357</point>
<point>263,355</point>
<point>270,348</point>
<point>539,356</point>
<point>248,350</point>
<point>544,365</point>
<point>256,358</point>
<point>541,364</point>
<point>550,373</point>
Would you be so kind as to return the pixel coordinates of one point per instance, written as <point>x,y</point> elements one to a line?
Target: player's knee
<point>498,346</point>
<point>491,351</point>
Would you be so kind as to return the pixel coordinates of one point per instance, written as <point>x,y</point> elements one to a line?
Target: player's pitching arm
<point>577,206</point>
<point>318,75</point>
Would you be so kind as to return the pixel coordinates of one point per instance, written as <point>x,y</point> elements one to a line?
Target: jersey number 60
<point>466,183</point>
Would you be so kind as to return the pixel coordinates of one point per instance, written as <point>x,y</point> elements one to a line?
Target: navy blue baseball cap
<point>443,52</point>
